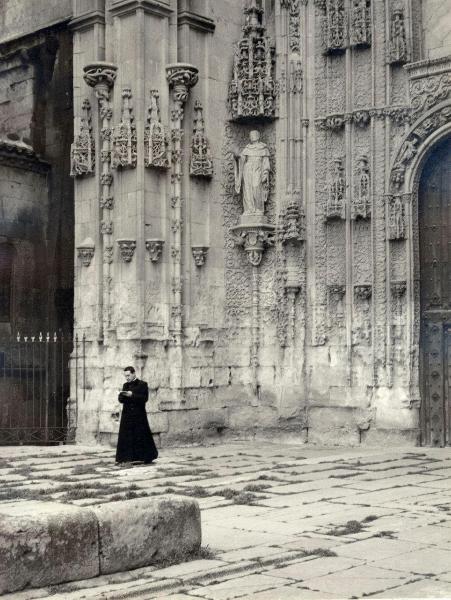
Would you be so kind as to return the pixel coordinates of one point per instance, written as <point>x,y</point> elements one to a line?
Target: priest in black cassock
<point>135,442</point>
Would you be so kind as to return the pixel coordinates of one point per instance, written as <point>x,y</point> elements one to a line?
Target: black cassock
<point>135,441</point>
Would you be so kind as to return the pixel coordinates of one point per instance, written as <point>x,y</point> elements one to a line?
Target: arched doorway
<point>434,213</point>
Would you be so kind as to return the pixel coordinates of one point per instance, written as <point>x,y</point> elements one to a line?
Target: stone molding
<point>121,8</point>
<point>195,21</point>
<point>87,20</point>
<point>19,155</point>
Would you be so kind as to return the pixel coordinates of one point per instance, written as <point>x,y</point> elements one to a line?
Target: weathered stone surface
<point>42,543</point>
<point>140,532</point>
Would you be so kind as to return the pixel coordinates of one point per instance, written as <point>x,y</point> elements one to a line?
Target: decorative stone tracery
<point>155,136</point>
<point>124,136</point>
<point>82,151</point>
<point>360,23</point>
<point>334,26</point>
<point>201,164</point>
<point>253,91</point>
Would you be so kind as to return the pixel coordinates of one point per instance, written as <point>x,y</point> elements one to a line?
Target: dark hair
<point>131,369</point>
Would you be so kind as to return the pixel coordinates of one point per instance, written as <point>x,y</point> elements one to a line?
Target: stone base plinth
<point>45,543</point>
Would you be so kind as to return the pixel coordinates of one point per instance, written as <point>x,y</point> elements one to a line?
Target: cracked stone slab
<point>357,582</point>
<point>423,562</point>
<point>426,588</point>
<point>317,567</point>
<point>376,548</point>
<point>237,587</point>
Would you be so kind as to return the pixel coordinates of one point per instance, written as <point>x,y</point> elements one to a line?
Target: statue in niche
<point>252,169</point>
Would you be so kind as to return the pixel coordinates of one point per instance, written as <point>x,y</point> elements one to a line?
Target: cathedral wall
<point>300,325</point>
<point>436,19</point>
<point>18,19</point>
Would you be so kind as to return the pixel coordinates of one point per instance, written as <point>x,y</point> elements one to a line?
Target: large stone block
<point>136,533</point>
<point>44,543</point>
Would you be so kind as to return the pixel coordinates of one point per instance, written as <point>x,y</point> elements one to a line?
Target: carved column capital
<point>254,239</point>
<point>100,76</point>
<point>86,251</point>
<point>127,249</point>
<point>181,77</point>
<point>199,255</point>
<point>155,249</point>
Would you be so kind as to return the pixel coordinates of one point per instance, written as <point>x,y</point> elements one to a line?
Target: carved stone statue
<point>252,169</point>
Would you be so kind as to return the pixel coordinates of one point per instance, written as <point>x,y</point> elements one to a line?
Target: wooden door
<point>435,268</point>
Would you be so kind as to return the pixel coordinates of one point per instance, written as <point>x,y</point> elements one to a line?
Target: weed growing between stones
<point>319,552</point>
<point>255,487</point>
<point>348,529</point>
<point>386,534</point>
<point>369,519</point>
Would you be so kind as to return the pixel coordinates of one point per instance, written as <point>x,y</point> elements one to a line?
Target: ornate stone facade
<point>256,258</point>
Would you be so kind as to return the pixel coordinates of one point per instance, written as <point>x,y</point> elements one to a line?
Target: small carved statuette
<point>252,171</point>
<point>124,136</point>
<point>361,202</point>
<point>82,152</point>
<point>336,208</point>
<point>155,136</point>
<point>397,224</point>
<point>335,34</point>
<point>253,91</point>
<point>199,255</point>
<point>406,154</point>
<point>293,223</point>
<point>127,249</point>
<point>361,23</point>
<point>398,49</point>
<point>85,251</point>
<point>201,164</point>
<point>155,249</point>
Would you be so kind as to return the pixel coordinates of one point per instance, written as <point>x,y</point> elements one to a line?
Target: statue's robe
<point>135,441</point>
<point>251,176</point>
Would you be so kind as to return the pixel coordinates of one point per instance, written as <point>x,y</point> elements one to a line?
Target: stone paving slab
<point>254,538</point>
<point>359,581</point>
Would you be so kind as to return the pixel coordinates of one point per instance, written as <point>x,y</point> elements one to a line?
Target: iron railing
<point>35,402</point>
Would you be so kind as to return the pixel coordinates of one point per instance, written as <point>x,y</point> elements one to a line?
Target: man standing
<point>135,442</point>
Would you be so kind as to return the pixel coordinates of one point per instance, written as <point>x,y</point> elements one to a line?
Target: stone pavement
<point>279,521</point>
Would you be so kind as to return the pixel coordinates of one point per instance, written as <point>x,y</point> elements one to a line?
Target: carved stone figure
<point>336,208</point>
<point>252,171</point>
<point>397,224</point>
<point>398,50</point>
<point>361,203</point>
